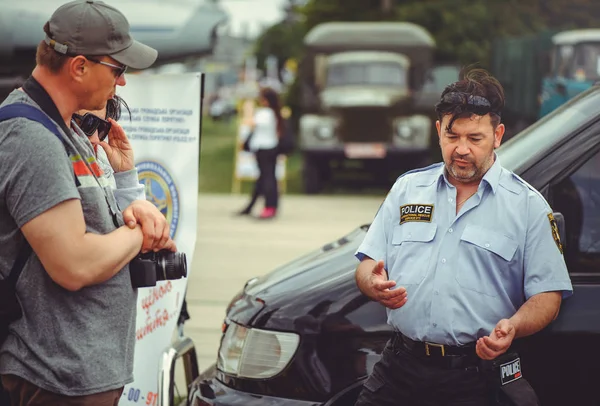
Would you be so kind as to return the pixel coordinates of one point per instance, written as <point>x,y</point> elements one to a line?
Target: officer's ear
<point>498,134</point>
<point>438,126</point>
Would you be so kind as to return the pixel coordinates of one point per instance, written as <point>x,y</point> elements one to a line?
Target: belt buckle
<point>440,346</point>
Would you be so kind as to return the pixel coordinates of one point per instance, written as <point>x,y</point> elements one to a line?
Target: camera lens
<point>175,264</point>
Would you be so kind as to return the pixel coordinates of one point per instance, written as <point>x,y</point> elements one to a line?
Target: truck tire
<point>311,176</point>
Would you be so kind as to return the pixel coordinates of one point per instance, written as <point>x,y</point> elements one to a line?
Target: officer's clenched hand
<point>381,288</point>
<point>498,341</point>
<point>154,225</point>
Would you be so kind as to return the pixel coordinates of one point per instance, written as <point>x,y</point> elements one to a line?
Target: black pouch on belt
<point>506,379</point>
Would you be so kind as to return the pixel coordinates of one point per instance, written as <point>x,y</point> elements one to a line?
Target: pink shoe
<point>268,212</point>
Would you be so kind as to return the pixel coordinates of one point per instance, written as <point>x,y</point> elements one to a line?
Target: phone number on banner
<point>135,395</point>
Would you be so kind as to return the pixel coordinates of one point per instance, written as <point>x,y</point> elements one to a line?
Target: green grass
<point>217,160</point>
<point>217,153</point>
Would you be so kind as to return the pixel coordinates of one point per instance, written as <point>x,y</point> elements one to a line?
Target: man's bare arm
<point>74,258</point>
<point>536,313</point>
<point>363,276</point>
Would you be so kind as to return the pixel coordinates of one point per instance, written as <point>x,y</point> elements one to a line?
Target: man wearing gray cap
<point>60,223</point>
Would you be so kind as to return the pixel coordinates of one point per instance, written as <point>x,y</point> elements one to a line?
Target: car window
<point>577,197</point>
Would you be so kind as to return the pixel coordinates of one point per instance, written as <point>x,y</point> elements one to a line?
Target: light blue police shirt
<point>464,272</point>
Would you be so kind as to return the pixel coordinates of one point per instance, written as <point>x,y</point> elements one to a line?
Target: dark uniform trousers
<point>407,376</point>
<point>24,393</point>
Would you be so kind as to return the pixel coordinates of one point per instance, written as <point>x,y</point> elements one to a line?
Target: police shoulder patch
<point>555,233</point>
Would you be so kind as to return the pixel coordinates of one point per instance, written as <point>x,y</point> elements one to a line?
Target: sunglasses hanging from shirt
<point>89,123</point>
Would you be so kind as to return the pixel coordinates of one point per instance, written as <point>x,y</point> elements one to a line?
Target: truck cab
<point>574,68</point>
<point>359,82</point>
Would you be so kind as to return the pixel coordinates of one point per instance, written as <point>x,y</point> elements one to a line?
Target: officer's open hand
<point>154,225</point>
<point>381,288</point>
<point>498,341</point>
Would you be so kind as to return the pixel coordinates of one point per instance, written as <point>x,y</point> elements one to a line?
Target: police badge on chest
<point>416,212</point>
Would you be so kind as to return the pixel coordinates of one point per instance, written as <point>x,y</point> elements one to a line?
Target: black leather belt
<point>444,355</point>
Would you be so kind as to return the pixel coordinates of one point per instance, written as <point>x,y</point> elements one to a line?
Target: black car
<point>304,335</point>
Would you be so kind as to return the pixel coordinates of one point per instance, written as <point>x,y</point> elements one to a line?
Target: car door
<point>563,361</point>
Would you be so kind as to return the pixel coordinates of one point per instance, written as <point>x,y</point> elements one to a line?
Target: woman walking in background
<point>266,126</point>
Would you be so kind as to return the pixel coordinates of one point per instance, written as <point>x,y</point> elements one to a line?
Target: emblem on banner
<point>161,191</point>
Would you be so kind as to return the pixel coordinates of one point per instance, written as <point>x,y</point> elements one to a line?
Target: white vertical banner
<point>165,135</point>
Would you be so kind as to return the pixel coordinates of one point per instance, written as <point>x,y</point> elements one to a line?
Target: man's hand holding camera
<point>154,226</point>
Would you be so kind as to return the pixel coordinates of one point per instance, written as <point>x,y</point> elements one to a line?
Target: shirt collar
<point>491,177</point>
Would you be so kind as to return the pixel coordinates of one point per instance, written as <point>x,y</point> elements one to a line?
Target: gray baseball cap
<point>88,27</point>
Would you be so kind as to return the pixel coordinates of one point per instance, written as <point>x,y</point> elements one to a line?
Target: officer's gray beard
<point>471,175</point>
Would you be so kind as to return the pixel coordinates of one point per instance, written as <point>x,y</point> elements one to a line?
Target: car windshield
<point>384,74</point>
<point>518,153</point>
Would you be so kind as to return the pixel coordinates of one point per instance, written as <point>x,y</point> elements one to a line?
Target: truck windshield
<point>384,74</point>
<point>580,62</point>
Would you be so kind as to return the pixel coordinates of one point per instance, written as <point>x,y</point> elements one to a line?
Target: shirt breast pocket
<point>411,250</point>
<point>484,260</point>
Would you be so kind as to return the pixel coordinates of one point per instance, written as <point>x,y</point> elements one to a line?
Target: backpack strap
<point>19,264</point>
<point>32,113</point>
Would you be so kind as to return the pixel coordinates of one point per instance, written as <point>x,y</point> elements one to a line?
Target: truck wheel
<point>311,176</point>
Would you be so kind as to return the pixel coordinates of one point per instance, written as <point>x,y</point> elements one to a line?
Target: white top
<point>265,131</point>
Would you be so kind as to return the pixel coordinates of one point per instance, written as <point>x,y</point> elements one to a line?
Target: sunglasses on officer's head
<point>476,104</point>
<point>89,123</point>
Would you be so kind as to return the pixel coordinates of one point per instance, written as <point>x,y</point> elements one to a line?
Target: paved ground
<point>230,250</point>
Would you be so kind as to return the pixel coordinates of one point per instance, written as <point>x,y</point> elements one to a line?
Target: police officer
<point>466,257</point>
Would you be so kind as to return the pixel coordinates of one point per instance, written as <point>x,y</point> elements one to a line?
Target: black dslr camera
<point>146,269</point>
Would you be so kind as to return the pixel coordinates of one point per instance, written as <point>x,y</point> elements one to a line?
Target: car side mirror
<point>560,224</point>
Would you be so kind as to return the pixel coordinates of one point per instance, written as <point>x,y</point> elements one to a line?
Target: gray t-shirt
<point>71,343</point>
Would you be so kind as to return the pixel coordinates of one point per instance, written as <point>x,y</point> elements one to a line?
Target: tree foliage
<point>319,11</point>
<point>282,40</point>
<point>463,29</point>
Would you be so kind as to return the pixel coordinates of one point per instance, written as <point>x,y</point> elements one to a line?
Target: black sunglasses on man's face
<point>89,123</point>
<point>118,71</point>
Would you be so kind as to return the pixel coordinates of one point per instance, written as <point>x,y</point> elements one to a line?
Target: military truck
<point>358,85</point>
